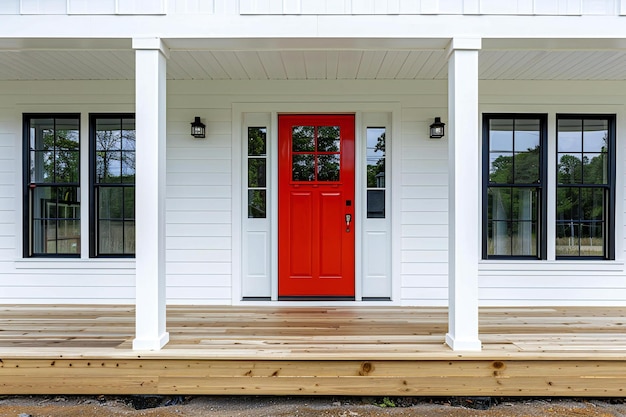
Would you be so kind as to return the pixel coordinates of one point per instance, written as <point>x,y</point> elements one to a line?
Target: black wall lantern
<point>437,129</point>
<point>198,128</point>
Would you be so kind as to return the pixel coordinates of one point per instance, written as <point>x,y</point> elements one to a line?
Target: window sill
<point>74,263</point>
<point>536,265</point>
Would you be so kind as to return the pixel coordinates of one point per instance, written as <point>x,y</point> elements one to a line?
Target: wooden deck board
<point>313,350</point>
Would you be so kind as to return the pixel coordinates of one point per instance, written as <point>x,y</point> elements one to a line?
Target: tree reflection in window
<point>375,157</point>
<point>53,206</point>
<point>257,172</point>
<point>114,141</point>
<point>583,186</point>
<point>316,153</point>
<point>514,188</point>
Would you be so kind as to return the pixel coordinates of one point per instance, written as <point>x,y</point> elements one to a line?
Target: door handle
<point>348,221</point>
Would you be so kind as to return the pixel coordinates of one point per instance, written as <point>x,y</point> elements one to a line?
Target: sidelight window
<point>257,172</point>
<point>376,170</point>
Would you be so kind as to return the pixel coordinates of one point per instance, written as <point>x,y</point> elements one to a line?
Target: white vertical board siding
<point>140,6</point>
<point>133,7</point>
<point>10,7</point>
<point>390,7</point>
<point>54,281</point>
<point>91,7</point>
<point>313,7</point>
<point>558,7</point>
<point>559,282</point>
<point>43,7</point>
<point>505,7</point>
<point>191,6</point>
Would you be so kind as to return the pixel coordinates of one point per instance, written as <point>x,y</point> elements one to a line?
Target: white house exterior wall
<point>561,282</point>
<point>202,251</point>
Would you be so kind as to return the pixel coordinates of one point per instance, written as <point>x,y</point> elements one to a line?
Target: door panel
<point>331,256</point>
<point>316,193</point>
<point>300,232</point>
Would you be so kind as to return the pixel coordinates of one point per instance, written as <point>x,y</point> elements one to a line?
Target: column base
<point>151,344</point>
<point>470,345</point>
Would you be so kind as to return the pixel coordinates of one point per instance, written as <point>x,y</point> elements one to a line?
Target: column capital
<point>464,44</point>
<point>151,43</point>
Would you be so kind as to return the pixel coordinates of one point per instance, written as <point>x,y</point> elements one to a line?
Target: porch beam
<point>463,195</point>
<point>150,113</point>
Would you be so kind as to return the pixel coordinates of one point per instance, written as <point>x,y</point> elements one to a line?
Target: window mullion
<point>550,189</point>
<point>84,191</point>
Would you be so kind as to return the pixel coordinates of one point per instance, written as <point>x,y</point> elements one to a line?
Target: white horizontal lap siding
<point>73,286</point>
<point>7,194</point>
<point>544,283</point>
<point>199,205</point>
<point>423,205</point>
<point>56,281</point>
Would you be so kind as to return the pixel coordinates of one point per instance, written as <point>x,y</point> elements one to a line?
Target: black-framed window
<point>514,186</point>
<point>585,190</point>
<point>51,172</point>
<point>112,184</point>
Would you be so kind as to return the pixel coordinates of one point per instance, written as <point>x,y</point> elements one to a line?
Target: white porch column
<point>464,194</point>
<point>150,61</point>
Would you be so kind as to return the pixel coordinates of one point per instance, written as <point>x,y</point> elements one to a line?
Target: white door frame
<point>239,111</point>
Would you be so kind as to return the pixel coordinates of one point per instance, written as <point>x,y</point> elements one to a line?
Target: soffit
<point>313,64</point>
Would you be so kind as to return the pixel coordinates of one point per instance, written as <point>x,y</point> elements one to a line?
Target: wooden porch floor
<point>313,351</point>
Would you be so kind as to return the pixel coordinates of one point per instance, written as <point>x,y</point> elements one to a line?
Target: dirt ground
<point>244,406</point>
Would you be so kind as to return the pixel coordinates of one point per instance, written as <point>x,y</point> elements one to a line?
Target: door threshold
<point>314,298</point>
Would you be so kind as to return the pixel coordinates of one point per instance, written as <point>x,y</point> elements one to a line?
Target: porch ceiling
<point>311,64</point>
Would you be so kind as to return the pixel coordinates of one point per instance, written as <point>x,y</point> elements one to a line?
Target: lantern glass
<point>197,128</point>
<point>437,129</point>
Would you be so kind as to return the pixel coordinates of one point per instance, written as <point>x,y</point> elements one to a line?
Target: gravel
<point>244,406</point>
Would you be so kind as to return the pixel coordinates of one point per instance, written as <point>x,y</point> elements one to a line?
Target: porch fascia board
<point>285,27</point>
<point>500,42</point>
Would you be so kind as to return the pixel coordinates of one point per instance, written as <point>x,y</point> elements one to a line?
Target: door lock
<point>348,221</point>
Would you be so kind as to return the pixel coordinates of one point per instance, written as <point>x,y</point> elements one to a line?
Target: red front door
<point>316,206</point>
